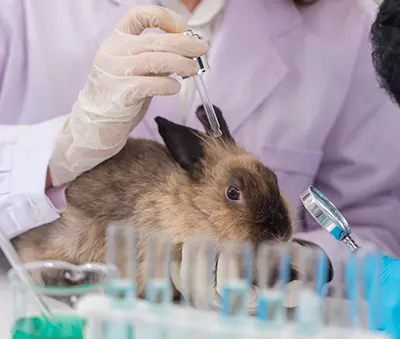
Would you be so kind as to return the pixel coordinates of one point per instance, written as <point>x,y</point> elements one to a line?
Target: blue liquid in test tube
<point>159,291</point>
<point>123,293</point>
<point>235,298</point>
<point>314,269</point>
<point>159,294</point>
<point>363,286</point>
<point>121,254</point>
<point>236,265</point>
<point>373,292</point>
<point>273,269</point>
<point>271,310</point>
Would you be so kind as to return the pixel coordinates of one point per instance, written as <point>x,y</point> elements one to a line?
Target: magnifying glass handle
<point>350,243</point>
<point>342,235</point>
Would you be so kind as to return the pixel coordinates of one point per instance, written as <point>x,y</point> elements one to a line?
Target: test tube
<point>197,286</point>
<point>312,271</point>
<point>199,266</point>
<point>157,262</point>
<point>353,287</point>
<point>272,271</point>
<point>234,278</point>
<point>158,290</point>
<point>363,274</point>
<point>337,308</point>
<point>122,246</point>
<point>372,270</point>
<point>122,243</point>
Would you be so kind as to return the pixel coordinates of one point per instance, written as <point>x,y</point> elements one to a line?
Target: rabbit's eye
<point>232,193</point>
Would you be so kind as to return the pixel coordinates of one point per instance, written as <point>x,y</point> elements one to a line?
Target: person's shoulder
<point>341,9</point>
<point>342,19</point>
<point>24,10</point>
<point>369,8</point>
<point>15,12</point>
<point>8,12</point>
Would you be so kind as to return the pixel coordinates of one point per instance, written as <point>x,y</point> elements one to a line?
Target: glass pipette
<point>212,117</point>
<point>210,112</point>
<point>15,262</point>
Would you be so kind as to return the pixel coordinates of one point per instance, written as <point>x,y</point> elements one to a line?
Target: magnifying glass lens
<point>325,212</point>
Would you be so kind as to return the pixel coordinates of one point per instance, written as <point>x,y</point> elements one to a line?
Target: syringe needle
<point>210,112</point>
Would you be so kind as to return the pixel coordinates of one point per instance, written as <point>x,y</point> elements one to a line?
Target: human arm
<point>360,171</point>
<point>127,71</point>
<point>390,296</point>
<point>382,292</point>
<point>25,201</point>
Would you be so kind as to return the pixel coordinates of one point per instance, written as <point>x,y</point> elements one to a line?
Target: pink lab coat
<point>297,88</point>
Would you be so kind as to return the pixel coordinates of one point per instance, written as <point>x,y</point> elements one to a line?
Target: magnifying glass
<point>328,216</point>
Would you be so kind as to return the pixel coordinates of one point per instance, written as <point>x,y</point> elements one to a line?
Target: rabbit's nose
<point>278,222</point>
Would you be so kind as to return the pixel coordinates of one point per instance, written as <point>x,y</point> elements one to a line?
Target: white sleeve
<point>24,158</point>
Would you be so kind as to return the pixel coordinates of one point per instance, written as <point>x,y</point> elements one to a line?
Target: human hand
<point>389,298</point>
<point>128,70</point>
<point>390,290</point>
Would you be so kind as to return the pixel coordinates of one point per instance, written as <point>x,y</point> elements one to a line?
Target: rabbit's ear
<point>184,144</point>
<point>302,242</point>
<point>202,116</point>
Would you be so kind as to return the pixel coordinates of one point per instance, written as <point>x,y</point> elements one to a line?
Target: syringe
<point>208,107</point>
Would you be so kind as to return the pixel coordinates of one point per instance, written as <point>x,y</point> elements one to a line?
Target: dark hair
<point>385,39</point>
<point>304,2</point>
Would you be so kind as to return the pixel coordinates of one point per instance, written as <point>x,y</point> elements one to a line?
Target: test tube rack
<point>315,315</point>
<point>105,321</point>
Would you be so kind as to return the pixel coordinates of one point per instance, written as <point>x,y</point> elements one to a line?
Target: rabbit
<point>195,184</point>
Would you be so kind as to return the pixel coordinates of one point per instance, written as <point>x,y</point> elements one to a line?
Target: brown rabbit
<point>195,185</point>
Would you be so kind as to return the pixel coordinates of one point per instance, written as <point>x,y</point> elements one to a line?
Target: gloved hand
<point>128,70</point>
<point>389,302</point>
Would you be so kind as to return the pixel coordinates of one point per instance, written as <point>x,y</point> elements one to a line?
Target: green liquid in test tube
<point>68,327</point>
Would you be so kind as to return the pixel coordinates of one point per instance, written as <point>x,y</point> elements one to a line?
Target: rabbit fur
<point>179,188</point>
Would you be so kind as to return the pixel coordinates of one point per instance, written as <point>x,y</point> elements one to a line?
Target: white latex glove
<point>194,271</point>
<point>186,265</point>
<point>128,70</point>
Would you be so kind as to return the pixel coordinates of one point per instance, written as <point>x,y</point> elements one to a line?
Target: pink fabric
<point>57,197</point>
<point>297,88</point>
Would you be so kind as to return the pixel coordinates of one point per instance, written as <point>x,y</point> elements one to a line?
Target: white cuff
<point>31,158</point>
<point>23,201</point>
